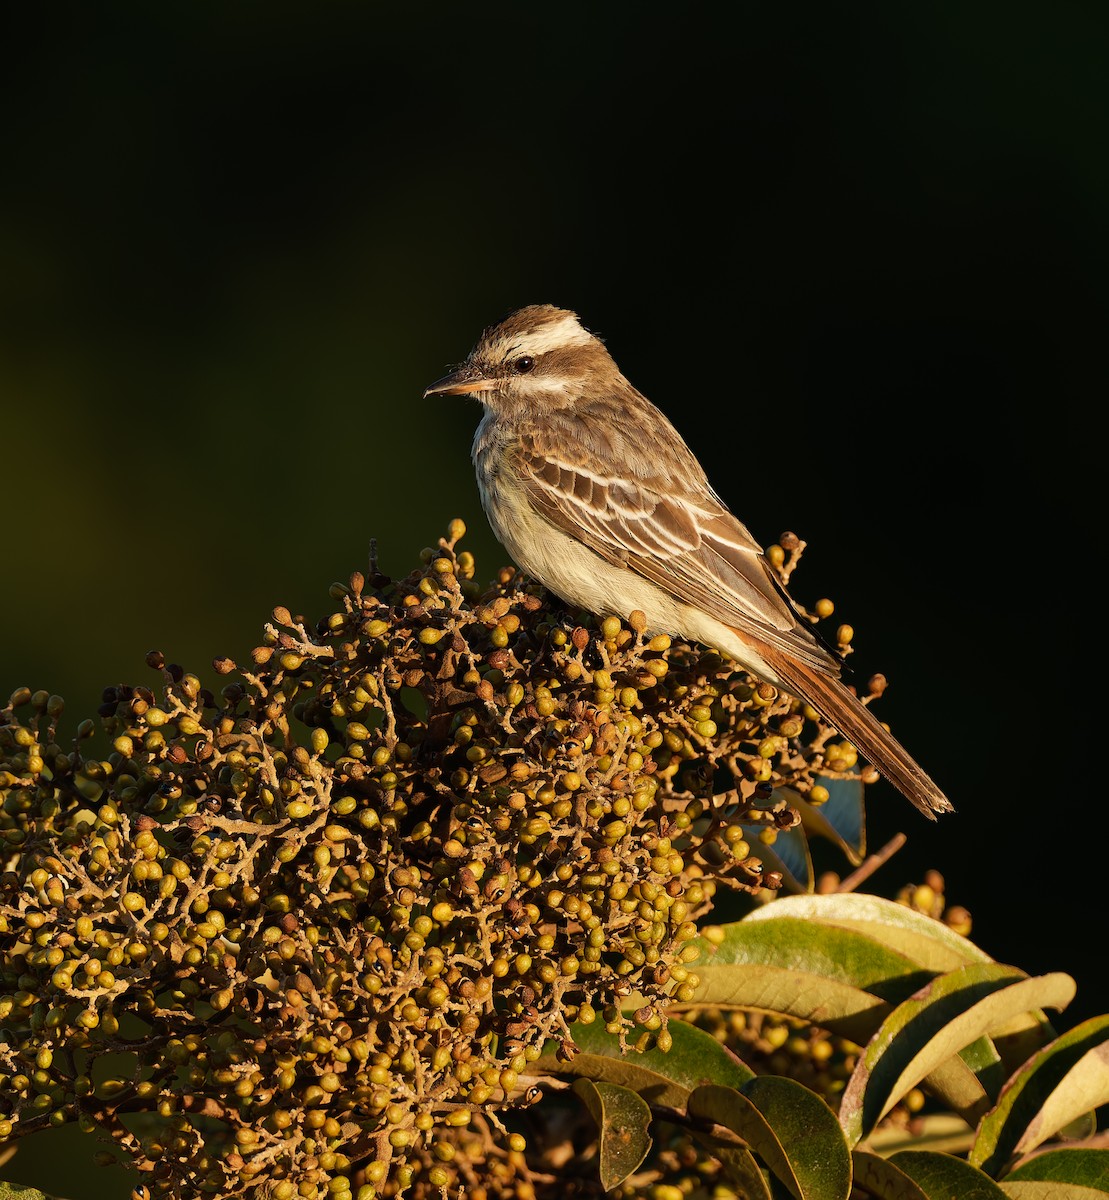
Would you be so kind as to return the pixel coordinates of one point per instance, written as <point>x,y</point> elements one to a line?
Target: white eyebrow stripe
<point>554,335</point>
<point>555,384</point>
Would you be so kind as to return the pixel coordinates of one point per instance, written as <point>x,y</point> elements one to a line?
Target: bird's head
<point>537,357</point>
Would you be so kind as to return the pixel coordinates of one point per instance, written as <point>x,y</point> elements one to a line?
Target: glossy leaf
<point>623,1119</point>
<point>789,1127</point>
<point>836,978</point>
<point>943,1177</point>
<point>1062,1081</point>
<point>695,1058</point>
<point>825,951</point>
<point>923,1032</point>
<point>1085,1168</point>
<point>666,1080</point>
<point>927,942</point>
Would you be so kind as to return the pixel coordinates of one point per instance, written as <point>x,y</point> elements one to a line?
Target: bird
<point>594,494</point>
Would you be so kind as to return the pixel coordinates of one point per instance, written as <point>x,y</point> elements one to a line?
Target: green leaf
<point>836,978</point>
<point>923,940</point>
<point>929,943</point>
<point>955,1084</point>
<point>665,1080</point>
<point>925,943</point>
<point>695,1058</point>
<point>1084,1168</point>
<point>1064,1080</point>
<point>623,1119</point>
<point>1035,1190</point>
<point>790,1128</point>
<point>923,1032</point>
<point>882,1179</point>
<point>826,951</point>
<point>942,1177</point>
<point>968,1082</point>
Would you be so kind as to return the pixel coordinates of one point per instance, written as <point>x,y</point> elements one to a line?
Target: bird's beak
<point>463,382</point>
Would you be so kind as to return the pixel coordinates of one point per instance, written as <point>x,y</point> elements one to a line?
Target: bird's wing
<point>673,531</point>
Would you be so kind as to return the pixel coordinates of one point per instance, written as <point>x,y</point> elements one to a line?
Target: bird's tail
<point>846,713</point>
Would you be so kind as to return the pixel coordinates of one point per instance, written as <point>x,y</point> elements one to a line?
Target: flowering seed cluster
<point>329,914</point>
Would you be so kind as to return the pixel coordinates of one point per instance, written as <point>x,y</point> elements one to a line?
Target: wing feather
<point>683,540</point>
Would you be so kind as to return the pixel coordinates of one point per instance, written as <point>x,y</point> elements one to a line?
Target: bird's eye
<point>523,364</point>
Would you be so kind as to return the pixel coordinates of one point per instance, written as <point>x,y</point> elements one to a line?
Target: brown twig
<point>871,863</point>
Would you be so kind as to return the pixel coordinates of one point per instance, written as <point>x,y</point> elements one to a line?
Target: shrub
<point>335,928</point>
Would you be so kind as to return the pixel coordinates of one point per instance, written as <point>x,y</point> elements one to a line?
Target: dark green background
<point>858,253</point>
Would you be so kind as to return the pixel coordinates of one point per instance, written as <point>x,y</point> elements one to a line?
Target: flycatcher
<point>594,493</point>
